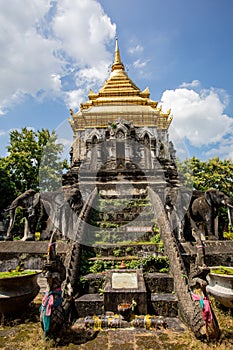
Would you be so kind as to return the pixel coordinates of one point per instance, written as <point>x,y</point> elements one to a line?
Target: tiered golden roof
<point>118,98</point>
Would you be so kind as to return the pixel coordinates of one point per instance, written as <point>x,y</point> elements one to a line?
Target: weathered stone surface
<point>159,282</point>
<point>132,249</point>
<point>32,254</point>
<point>93,282</point>
<point>216,252</point>
<point>89,305</point>
<point>165,305</point>
<point>37,247</point>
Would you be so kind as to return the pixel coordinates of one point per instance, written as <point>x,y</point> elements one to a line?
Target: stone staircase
<point>161,300</point>
<point>118,229</point>
<point>122,231</point>
<point>121,219</point>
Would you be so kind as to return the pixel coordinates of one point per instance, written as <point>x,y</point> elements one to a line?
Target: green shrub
<point>133,264</point>
<point>98,266</point>
<point>155,238</point>
<point>117,252</point>
<point>16,273</point>
<point>128,250</point>
<point>228,235</point>
<point>155,263</point>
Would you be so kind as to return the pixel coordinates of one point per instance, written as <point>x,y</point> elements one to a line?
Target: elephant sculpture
<point>203,211</point>
<point>59,209</point>
<point>62,208</point>
<point>24,201</point>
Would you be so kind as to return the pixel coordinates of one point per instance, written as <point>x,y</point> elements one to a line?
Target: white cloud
<point>3,132</point>
<point>198,117</point>
<point>41,39</point>
<point>139,64</point>
<point>135,49</point>
<point>84,29</point>
<point>74,98</point>
<point>56,82</point>
<point>194,83</point>
<point>223,150</point>
<point>92,77</point>
<point>27,58</point>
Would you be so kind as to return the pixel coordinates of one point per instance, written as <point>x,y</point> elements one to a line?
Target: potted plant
<point>220,285</point>
<point>17,289</point>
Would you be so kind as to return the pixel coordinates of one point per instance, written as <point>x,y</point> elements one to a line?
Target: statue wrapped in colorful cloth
<point>52,314</point>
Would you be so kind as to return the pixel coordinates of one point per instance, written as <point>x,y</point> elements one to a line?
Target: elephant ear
<point>208,198</point>
<point>36,199</point>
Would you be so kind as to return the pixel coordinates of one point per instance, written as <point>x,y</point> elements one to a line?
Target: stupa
<point>121,134</point>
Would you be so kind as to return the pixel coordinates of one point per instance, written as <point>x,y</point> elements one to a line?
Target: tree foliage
<point>214,173</point>
<point>33,161</point>
<point>7,186</point>
<point>51,168</point>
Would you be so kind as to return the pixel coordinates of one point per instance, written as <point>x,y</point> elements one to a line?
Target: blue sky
<point>53,52</point>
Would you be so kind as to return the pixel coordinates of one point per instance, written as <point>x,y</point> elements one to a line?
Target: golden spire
<point>117,64</point>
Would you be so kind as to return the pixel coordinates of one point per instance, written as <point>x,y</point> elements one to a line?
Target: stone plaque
<point>124,280</point>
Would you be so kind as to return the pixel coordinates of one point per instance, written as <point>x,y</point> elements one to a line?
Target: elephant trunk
<point>229,205</point>
<point>10,208</point>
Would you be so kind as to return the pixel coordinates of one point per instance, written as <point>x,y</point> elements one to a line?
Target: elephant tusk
<point>229,216</point>
<point>230,206</point>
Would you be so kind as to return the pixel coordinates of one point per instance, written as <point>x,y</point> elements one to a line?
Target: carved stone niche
<point>120,129</point>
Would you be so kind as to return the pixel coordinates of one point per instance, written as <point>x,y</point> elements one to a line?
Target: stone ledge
<point>36,247</point>
<point>211,247</point>
<point>163,305</point>
<point>89,305</point>
<point>159,282</point>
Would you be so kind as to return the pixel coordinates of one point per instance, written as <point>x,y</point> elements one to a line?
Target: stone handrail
<point>73,260</point>
<point>191,312</point>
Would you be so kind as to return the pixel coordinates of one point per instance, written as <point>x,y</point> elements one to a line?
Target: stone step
<point>157,282</point>
<point>92,283</point>
<point>117,236</point>
<point>141,323</point>
<point>108,249</point>
<point>114,258</point>
<point>124,202</point>
<point>159,304</point>
<point>163,304</point>
<point>125,257</point>
<point>124,212</point>
<point>36,247</point>
<point>89,305</point>
<point>142,220</point>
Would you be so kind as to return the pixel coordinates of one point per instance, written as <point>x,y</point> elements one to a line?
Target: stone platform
<point>216,252</point>
<point>135,339</point>
<point>32,254</point>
